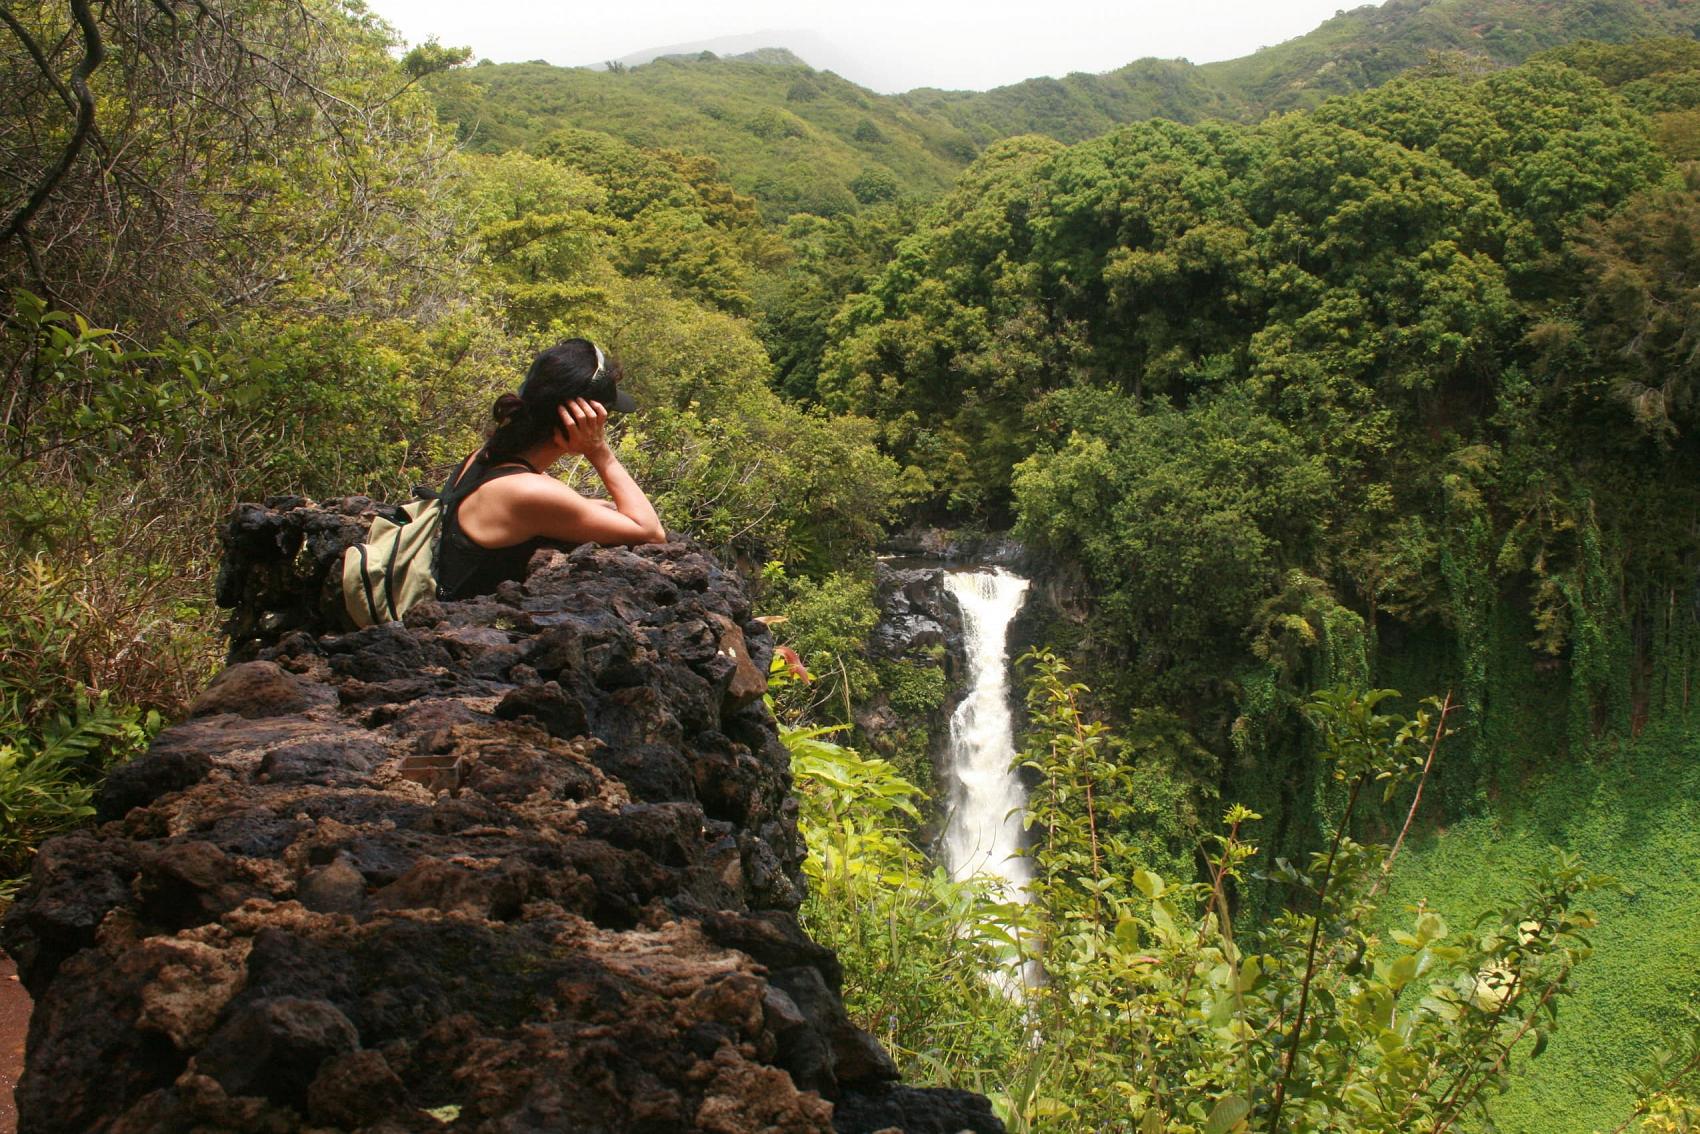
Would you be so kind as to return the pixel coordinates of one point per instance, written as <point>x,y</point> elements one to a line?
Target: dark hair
<point>564,371</point>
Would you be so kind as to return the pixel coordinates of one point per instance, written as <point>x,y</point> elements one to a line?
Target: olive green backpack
<point>396,568</point>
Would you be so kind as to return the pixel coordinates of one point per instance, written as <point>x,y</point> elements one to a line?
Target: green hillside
<point>1354,51</point>
<point>802,140</point>
<point>1081,106</point>
<point>1369,45</point>
<point>797,139</point>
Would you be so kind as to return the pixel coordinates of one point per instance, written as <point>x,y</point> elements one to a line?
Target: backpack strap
<point>452,490</point>
<point>389,580</point>
<point>366,581</point>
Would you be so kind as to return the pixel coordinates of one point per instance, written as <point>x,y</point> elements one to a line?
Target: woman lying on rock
<point>500,507</point>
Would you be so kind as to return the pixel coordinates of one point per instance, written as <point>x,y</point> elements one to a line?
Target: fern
<point>48,781</point>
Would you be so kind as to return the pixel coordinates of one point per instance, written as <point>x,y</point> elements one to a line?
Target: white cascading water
<point>983,831</point>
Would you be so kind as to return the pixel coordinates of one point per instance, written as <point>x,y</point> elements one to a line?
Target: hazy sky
<point>889,45</point>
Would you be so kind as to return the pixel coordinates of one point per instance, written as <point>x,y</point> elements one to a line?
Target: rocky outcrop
<point>1057,613</point>
<point>918,617</point>
<point>523,863</point>
<point>920,626</point>
<point>277,574</point>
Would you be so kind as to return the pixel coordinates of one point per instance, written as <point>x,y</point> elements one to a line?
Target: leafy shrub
<point>49,774</point>
<point>914,689</point>
<point>73,668</point>
<point>773,124</point>
<point>1161,1013</point>
<point>872,186</point>
<point>922,954</point>
<point>827,622</point>
<point>73,635</point>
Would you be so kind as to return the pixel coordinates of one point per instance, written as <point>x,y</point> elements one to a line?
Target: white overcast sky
<point>889,45</point>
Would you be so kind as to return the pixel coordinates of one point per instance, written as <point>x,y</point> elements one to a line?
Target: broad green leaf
<point>1227,1115</point>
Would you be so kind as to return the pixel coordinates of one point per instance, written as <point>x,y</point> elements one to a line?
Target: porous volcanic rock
<point>521,863</point>
<point>958,545</point>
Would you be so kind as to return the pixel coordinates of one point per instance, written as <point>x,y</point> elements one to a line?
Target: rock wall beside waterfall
<point>527,862</point>
<point>1056,616</point>
<point>957,546</point>
<point>917,613</point>
<point>919,625</point>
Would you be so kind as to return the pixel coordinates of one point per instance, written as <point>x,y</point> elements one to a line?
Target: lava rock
<point>920,625</point>
<point>959,546</point>
<point>918,616</point>
<point>935,1110</point>
<point>530,860</point>
<point>276,1047</point>
<point>257,689</point>
<point>142,781</point>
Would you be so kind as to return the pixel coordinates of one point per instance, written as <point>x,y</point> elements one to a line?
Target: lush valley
<point>1285,401</point>
<point>1367,361</point>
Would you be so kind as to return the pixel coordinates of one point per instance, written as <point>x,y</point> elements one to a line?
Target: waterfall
<point>983,830</point>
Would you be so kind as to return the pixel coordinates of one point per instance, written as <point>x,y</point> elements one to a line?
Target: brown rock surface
<point>527,863</point>
<point>14,1023</point>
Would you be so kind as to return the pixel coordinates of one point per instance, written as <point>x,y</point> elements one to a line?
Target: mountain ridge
<point>803,139</point>
<point>802,47</point>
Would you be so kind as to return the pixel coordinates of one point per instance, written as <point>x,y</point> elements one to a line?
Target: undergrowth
<point>91,663</point>
<point>1631,811</point>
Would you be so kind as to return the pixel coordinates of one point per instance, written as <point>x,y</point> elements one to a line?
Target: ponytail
<point>506,407</point>
<point>515,429</point>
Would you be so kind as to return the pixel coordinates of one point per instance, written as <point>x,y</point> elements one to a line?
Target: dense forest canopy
<point>1367,360</point>
<point>1394,313</point>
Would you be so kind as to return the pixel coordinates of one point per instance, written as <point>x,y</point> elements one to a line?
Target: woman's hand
<point>583,422</point>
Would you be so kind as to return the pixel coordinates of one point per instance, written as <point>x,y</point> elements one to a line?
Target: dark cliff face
<point>917,614</point>
<point>521,863</point>
<point>920,624</point>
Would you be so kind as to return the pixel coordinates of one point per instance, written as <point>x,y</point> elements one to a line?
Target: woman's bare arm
<point>516,508</point>
<point>567,515</point>
<point>549,508</point>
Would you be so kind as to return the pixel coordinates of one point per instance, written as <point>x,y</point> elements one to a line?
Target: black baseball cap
<point>605,386</point>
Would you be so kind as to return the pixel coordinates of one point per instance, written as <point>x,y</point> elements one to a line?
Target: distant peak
<point>772,57</point>
<point>764,56</point>
<point>769,47</point>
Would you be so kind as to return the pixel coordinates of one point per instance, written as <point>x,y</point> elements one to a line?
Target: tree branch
<point>94,52</point>
<point>1292,1046</point>
<point>1439,734</point>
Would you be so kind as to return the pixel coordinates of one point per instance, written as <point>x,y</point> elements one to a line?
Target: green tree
<point>1183,519</point>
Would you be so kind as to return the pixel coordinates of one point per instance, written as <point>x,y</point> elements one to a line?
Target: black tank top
<point>465,568</point>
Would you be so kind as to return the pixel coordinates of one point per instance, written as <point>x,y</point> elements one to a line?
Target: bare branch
<point>35,52</point>
<point>43,286</point>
